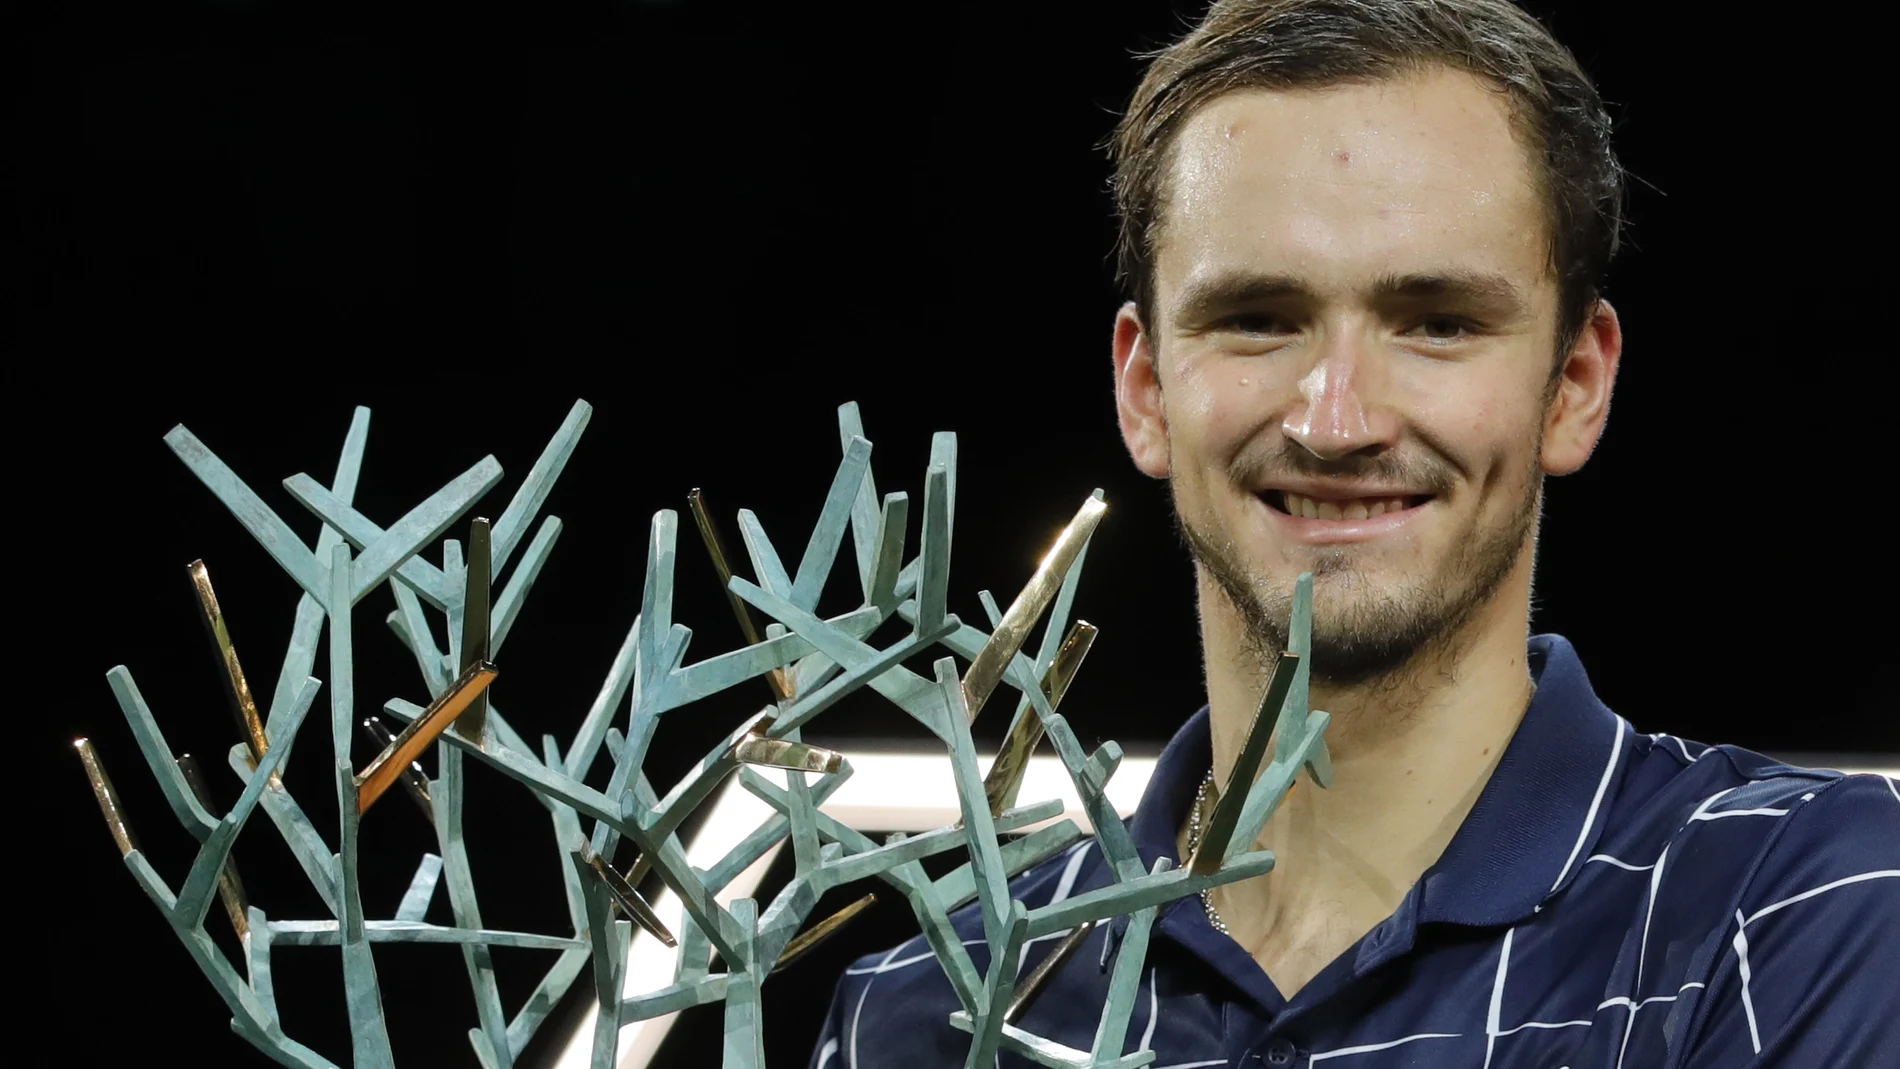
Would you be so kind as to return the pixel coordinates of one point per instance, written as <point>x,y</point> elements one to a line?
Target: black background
<point>716,222</point>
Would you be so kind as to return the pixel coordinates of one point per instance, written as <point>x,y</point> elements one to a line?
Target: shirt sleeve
<point>1811,969</point>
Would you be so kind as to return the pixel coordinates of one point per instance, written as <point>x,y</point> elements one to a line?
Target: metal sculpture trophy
<point>810,663</point>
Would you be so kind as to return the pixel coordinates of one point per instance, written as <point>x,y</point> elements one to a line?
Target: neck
<point>1410,755</point>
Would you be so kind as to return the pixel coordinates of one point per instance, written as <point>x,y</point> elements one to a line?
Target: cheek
<point>1216,407</point>
<point>1498,438</point>
<point>1489,433</point>
<point>1192,396</point>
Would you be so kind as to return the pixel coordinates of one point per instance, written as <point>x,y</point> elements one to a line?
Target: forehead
<point>1421,172</point>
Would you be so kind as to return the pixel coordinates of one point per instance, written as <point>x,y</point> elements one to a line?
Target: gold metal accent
<point>236,689</point>
<point>1038,978</point>
<point>638,870</point>
<point>403,750</point>
<point>414,780</point>
<point>475,628</point>
<point>1212,849</point>
<point>804,941</point>
<point>237,906</point>
<point>987,668</point>
<point>629,900</point>
<point>780,753</point>
<point>108,798</point>
<point>1006,772</point>
<point>778,678</point>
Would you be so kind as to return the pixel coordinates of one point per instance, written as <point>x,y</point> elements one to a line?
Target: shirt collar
<point>1533,824</point>
<point>1545,806</point>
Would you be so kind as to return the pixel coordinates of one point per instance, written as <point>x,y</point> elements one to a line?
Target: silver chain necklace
<point>1194,840</point>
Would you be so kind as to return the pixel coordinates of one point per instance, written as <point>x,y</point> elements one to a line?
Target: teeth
<point>1355,509</point>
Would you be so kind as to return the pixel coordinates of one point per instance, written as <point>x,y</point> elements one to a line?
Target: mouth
<point>1341,508</point>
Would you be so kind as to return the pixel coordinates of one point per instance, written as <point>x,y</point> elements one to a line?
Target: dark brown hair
<point>1305,44</point>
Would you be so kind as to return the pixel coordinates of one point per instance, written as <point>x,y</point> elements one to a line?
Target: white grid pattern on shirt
<point>1703,812</point>
<point>1494,1030</point>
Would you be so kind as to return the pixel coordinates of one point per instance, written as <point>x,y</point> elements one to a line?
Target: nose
<point>1339,412</point>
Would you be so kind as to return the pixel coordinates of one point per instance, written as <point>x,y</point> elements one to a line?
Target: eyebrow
<point>1232,289</point>
<point>1493,290</point>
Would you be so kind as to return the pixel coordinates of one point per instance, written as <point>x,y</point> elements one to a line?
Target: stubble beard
<point>1365,633</point>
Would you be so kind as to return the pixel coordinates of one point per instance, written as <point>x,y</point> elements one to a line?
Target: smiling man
<point>1364,242</point>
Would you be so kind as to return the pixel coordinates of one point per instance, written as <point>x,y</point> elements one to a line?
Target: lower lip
<point>1320,532</point>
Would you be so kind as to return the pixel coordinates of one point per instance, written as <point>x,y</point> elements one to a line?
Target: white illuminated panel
<point>886,792</point>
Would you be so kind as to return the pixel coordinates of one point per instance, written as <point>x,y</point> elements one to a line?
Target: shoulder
<point>1807,959</point>
<point>1675,786</point>
<point>1750,822</point>
<point>1759,906</point>
<point>1699,785</point>
<point>1839,832</point>
<point>1803,864</point>
<point>1719,832</point>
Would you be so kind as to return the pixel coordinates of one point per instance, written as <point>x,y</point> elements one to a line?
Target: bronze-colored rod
<point>236,689</point>
<point>803,942</point>
<point>777,678</point>
<point>237,906</point>
<point>1220,827</point>
<point>475,627</point>
<point>629,900</point>
<point>1038,978</point>
<point>108,798</point>
<point>414,780</point>
<point>402,751</point>
<point>987,667</point>
<point>779,753</point>
<point>1012,761</point>
<point>638,871</point>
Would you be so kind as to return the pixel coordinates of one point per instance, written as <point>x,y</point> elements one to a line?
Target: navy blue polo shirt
<point>1614,900</point>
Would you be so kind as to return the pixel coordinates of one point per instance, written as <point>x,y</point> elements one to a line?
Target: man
<point>1364,241</point>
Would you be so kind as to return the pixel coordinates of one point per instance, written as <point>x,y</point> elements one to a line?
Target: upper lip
<point>1340,491</point>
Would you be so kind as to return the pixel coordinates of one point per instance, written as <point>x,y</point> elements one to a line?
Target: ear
<point>1138,406</point>
<point>1580,404</point>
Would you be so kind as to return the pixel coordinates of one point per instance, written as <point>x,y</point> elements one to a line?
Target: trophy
<point>611,825</point>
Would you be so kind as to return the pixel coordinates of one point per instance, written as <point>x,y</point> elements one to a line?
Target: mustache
<point>1263,462</point>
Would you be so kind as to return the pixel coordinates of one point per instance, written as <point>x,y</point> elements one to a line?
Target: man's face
<point>1353,335</point>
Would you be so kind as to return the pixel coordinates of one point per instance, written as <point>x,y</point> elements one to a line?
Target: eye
<point>1442,328</point>
<point>1265,324</point>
